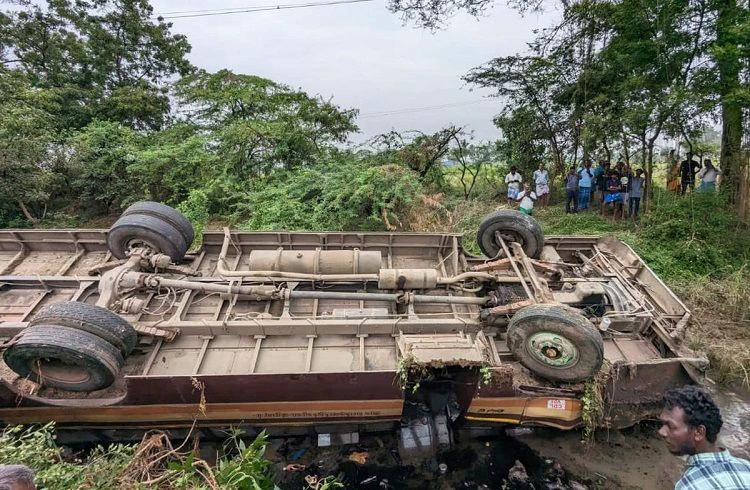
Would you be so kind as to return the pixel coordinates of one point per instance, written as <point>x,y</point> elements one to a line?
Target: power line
<point>395,112</point>
<point>260,8</point>
<point>200,11</point>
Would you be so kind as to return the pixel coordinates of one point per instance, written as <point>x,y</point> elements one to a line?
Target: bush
<point>693,236</point>
<point>340,195</point>
<point>243,466</point>
<point>35,447</point>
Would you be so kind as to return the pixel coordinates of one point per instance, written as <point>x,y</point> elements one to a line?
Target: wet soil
<point>520,458</point>
<point>526,461</point>
<point>631,459</point>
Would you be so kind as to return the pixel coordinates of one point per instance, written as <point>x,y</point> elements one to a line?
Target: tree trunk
<point>731,142</point>
<point>607,151</point>
<point>26,212</point>
<point>729,64</point>
<point>648,194</point>
<point>626,148</point>
<point>743,201</point>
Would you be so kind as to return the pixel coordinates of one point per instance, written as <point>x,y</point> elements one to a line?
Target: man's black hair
<point>699,408</point>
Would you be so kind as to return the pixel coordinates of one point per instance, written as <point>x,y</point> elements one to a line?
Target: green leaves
<point>343,194</point>
<point>108,59</point>
<point>258,125</point>
<point>35,447</point>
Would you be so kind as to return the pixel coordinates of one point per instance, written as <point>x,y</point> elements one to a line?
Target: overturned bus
<point>325,332</point>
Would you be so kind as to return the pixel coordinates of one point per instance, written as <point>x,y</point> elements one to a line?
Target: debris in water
<point>359,457</point>
<point>296,455</point>
<point>517,473</point>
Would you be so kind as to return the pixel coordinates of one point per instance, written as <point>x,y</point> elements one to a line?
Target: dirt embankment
<point>628,460</point>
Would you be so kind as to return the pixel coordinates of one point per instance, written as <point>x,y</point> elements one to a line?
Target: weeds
<point>35,447</point>
<point>409,372</point>
<point>153,463</point>
<point>592,402</point>
<point>485,373</point>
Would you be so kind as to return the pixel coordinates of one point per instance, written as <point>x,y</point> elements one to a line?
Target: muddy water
<point>735,411</point>
<point>637,458</point>
<point>631,459</point>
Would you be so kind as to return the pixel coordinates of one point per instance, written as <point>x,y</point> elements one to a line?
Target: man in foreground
<point>16,477</point>
<point>690,424</point>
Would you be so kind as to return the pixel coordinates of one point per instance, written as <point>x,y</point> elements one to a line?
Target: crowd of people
<point>614,190</point>
<point>681,175</point>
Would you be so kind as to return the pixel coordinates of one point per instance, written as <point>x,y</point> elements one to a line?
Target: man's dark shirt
<point>688,168</point>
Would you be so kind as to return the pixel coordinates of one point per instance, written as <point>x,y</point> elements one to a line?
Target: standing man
<point>600,176</point>
<point>541,179</point>
<point>626,176</point>
<point>585,181</point>
<point>690,424</point>
<point>571,191</point>
<point>688,169</point>
<point>513,179</point>
<point>636,192</point>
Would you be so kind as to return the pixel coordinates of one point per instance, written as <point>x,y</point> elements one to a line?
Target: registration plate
<point>556,404</point>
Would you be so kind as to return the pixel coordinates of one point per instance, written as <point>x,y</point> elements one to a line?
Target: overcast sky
<point>363,57</point>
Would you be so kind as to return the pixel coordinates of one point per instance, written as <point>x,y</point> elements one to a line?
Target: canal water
<point>735,412</point>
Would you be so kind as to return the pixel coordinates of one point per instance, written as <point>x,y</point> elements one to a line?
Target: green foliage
<point>35,447</point>
<point>243,467</point>
<point>592,402</point>
<point>258,125</point>
<point>423,153</point>
<point>29,163</point>
<point>170,164</point>
<point>247,469</point>
<point>195,208</point>
<point>681,238</point>
<point>697,235</point>
<point>345,194</point>
<point>102,153</point>
<point>105,59</point>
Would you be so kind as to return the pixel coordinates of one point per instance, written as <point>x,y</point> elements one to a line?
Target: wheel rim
<point>552,349</point>
<point>55,371</point>
<point>135,243</point>
<point>508,236</point>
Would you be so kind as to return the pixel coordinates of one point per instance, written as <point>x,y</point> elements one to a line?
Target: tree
<point>29,162</point>
<point>101,154</point>
<point>730,51</point>
<point>170,163</point>
<point>105,59</point>
<point>258,125</point>
<point>420,152</point>
<point>660,60</point>
<point>471,159</point>
<point>530,87</point>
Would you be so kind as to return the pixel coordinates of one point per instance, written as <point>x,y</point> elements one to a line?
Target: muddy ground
<point>548,460</point>
<point>519,458</point>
